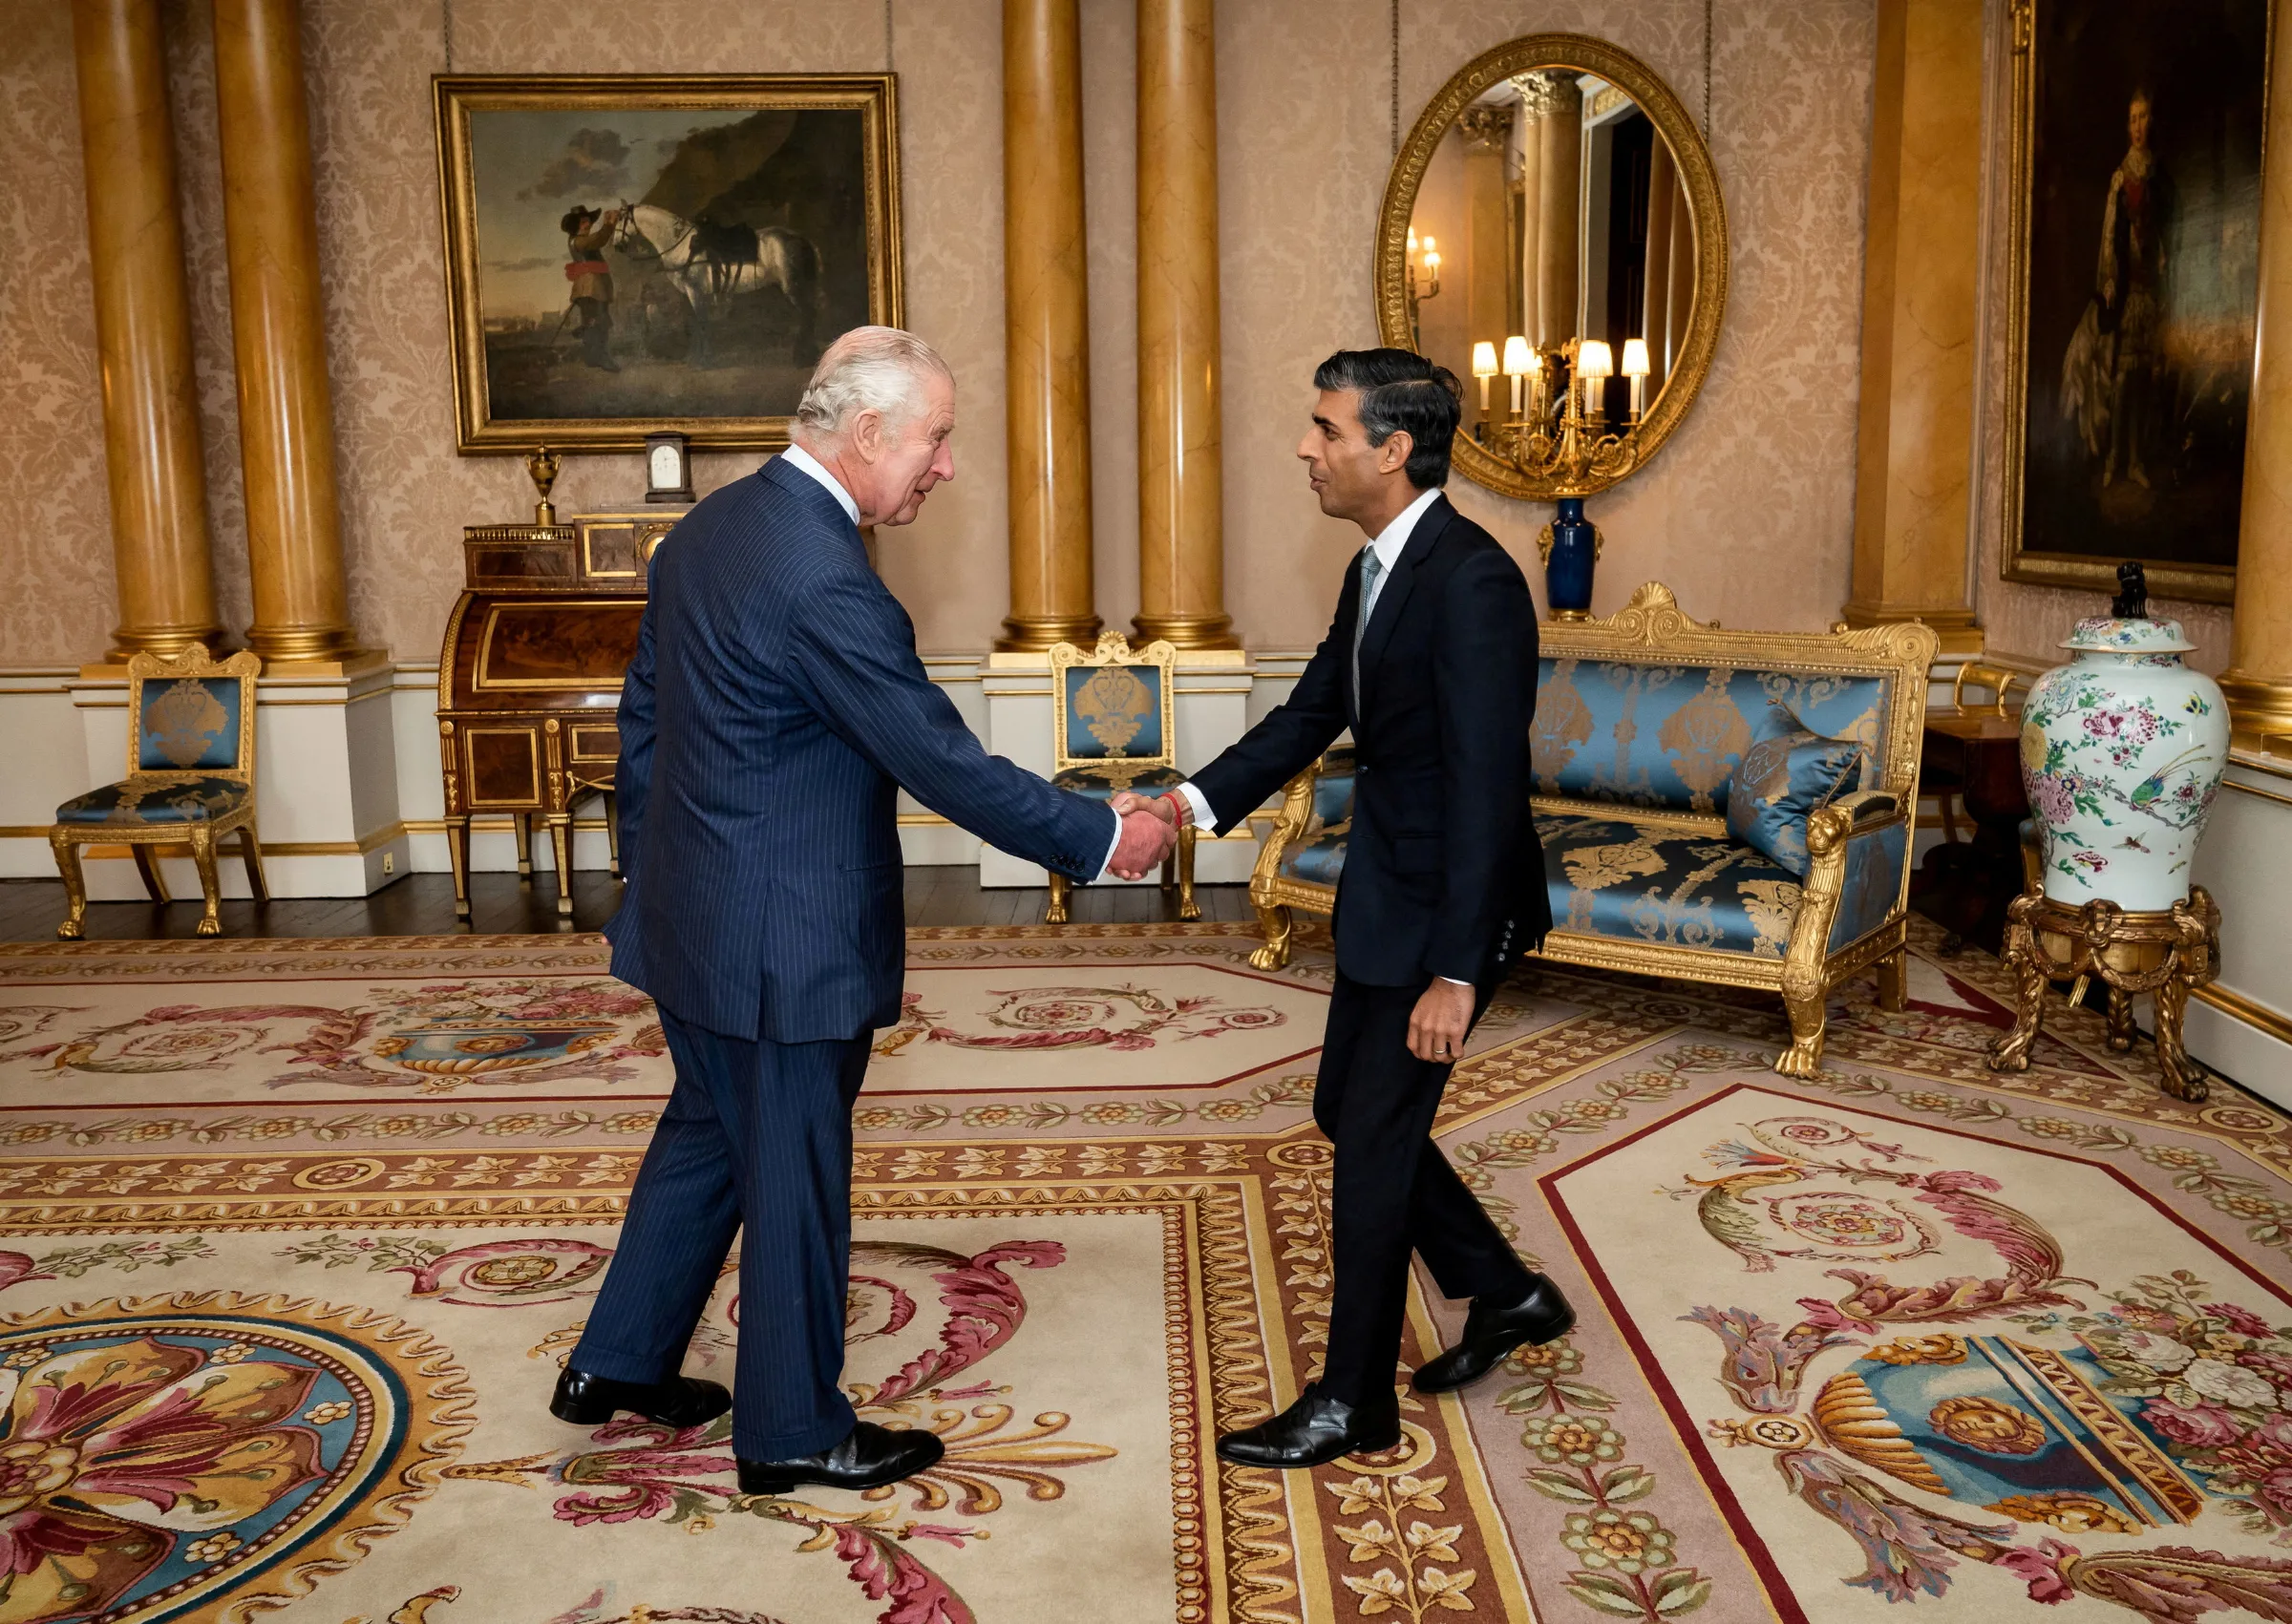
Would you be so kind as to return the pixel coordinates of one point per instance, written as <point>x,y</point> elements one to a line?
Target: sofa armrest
<point>1295,816</point>
<point>1865,805</point>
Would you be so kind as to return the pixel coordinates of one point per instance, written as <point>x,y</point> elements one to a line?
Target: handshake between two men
<point>1150,826</point>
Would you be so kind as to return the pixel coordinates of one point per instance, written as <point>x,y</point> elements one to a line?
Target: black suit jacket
<point>1443,875</point>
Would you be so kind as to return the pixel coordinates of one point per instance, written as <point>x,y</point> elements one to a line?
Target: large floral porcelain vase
<point>2122,753</point>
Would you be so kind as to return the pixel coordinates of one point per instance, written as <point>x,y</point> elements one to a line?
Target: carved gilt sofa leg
<point>1894,980</point>
<point>1804,986</point>
<point>1279,924</point>
<point>1803,1000</point>
<point>1056,913</point>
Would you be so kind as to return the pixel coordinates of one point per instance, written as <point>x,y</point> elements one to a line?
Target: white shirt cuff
<point>1199,804</point>
<point>1112,846</point>
<point>1453,980</point>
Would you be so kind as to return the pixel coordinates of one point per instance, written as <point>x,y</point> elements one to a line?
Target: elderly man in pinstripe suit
<point>775,707</point>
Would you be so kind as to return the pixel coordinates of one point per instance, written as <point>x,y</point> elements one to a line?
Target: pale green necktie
<point>1372,570</point>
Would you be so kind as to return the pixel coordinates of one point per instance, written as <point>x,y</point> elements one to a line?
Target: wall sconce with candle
<point>1484,367</point>
<point>1424,281</point>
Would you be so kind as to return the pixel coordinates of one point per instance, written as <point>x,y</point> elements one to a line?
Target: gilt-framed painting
<point>2134,267</point>
<point>633,253</point>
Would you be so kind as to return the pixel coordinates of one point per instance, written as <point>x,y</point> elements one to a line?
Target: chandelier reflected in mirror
<point>1556,430</point>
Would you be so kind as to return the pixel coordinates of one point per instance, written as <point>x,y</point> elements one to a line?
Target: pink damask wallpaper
<point>1747,514</point>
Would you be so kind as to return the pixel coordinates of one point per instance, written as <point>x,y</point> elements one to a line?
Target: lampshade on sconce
<point>1635,358</point>
<point>1594,359</point>
<point>1484,367</point>
<point>1519,359</point>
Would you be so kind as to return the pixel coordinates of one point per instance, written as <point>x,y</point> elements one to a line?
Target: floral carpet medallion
<point>286,1270</point>
<point>158,1455</point>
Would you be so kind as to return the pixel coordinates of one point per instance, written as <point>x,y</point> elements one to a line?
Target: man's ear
<point>1393,455</point>
<point>866,434</point>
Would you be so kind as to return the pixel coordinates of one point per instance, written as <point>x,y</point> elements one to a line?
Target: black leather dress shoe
<point>1314,1431</point>
<point>869,1457</point>
<point>681,1401</point>
<point>1492,1333</point>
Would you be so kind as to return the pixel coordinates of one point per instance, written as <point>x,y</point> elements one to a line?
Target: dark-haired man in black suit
<point>1432,662</point>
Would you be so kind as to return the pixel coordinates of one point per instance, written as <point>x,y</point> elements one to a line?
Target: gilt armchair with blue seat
<point>1717,805</point>
<point>1113,728</point>
<point>190,780</point>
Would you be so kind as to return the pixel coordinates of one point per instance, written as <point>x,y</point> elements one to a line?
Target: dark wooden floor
<point>501,904</point>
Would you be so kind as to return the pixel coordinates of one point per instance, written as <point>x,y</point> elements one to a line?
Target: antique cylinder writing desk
<point>530,676</point>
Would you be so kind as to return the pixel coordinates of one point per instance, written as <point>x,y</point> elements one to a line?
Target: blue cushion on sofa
<point>1639,882</point>
<point>1781,780</point>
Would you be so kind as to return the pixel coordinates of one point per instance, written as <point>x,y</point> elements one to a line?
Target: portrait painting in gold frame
<point>628,253</point>
<point>2134,288</point>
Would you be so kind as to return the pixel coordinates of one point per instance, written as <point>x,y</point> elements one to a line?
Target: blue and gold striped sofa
<point>1640,719</point>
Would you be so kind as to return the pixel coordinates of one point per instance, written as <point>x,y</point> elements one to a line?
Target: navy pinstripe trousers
<point>756,1138</point>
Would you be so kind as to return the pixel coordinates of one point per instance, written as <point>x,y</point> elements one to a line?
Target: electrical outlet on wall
<point>389,862</point>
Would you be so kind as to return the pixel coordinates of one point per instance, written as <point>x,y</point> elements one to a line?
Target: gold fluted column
<point>1531,209</point>
<point>1915,437</point>
<point>1182,495</point>
<point>1487,258</point>
<point>1559,204</point>
<point>1655,316</point>
<point>157,483</point>
<point>285,405</point>
<point>2258,681</point>
<point>1047,329</point>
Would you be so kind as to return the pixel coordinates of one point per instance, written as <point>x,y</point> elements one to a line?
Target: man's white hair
<point>869,369</point>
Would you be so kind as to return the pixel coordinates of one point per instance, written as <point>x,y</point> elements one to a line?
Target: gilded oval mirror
<point>1552,233</point>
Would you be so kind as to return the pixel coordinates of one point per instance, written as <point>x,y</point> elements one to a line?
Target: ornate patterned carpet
<point>293,1234</point>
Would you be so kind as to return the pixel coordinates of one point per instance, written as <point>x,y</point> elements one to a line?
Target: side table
<point>1965,887</point>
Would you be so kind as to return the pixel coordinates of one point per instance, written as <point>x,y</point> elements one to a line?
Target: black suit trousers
<point>755,1141</point>
<point>1393,1191</point>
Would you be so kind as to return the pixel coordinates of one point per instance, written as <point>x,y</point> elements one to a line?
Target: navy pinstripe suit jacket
<point>775,705</point>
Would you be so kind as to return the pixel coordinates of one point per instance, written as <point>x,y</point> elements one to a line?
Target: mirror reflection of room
<point>1552,249</point>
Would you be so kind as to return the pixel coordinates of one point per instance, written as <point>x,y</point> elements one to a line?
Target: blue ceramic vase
<point>1568,561</point>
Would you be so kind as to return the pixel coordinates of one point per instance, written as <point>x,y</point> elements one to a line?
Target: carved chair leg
<point>1055,914</point>
<point>1809,1010</point>
<point>250,856</point>
<point>147,864</point>
<point>1187,907</point>
<point>210,883</point>
<point>612,834</point>
<point>2184,1078</point>
<point>1894,980</point>
<point>522,823</point>
<point>75,886</point>
<point>2121,1029</point>
<point>561,847</point>
<point>1279,925</point>
<point>458,854</point>
<point>1170,871</point>
<point>2011,1052</point>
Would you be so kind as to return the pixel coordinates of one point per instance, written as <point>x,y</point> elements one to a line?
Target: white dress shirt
<point>1389,544</point>
<point>804,462</point>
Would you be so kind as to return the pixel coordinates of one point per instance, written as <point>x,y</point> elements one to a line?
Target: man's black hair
<point>1401,390</point>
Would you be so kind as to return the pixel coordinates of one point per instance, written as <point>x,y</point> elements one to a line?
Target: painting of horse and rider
<point>629,253</point>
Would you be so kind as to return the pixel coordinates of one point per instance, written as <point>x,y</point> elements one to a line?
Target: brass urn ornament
<point>540,464</point>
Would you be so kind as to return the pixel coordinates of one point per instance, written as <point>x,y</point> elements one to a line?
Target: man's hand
<point>1146,842</point>
<point>1437,1025</point>
<point>1169,809</point>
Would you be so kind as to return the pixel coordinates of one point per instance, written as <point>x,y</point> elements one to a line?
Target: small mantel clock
<point>668,468</point>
